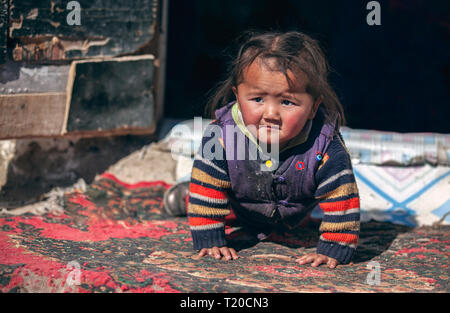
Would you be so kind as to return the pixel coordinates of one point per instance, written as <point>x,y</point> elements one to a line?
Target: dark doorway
<point>389,77</point>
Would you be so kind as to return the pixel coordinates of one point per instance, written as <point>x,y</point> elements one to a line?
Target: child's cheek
<point>294,124</point>
<point>251,114</point>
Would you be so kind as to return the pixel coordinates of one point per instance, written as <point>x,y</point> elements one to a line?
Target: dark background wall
<point>390,77</point>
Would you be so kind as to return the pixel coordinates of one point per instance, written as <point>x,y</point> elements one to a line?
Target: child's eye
<point>257,99</point>
<point>287,102</point>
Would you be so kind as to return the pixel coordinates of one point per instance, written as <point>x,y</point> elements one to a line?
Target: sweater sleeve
<point>208,201</point>
<point>338,198</point>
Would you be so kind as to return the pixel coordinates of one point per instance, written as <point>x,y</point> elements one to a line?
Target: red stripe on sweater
<point>352,203</point>
<point>341,237</point>
<point>207,192</point>
<point>200,221</point>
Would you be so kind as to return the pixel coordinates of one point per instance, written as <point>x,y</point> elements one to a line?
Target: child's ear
<point>234,88</point>
<point>315,107</point>
<point>235,92</point>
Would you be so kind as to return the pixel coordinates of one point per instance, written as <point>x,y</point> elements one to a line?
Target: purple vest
<point>284,196</point>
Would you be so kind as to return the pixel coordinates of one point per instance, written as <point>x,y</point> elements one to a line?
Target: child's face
<point>272,106</point>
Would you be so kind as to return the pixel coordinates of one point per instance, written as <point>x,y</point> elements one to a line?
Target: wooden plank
<point>161,53</point>
<point>25,115</point>
<point>111,94</point>
<point>3,29</point>
<point>16,79</point>
<point>40,31</point>
<point>158,47</point>
<point>100,97</point>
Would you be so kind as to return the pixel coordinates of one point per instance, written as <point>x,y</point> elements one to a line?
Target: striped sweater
<point>337,194</point>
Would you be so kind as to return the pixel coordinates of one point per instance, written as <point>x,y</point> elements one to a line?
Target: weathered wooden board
<point>32,100</point>
<point>109,67</point>
<point>40,30</point>
<point>26,78</point>
<point>3,29</point>
<point>110,94</point>
<point>98,97</point>
<point>24,115</point>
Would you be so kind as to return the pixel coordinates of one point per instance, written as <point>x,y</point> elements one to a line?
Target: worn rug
<point>114,238</point>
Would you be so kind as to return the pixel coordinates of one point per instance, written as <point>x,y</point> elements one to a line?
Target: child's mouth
<point>269,133</point>
<point>270,127</point>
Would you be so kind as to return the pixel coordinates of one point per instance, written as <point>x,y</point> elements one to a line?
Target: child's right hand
<point>216,252</point>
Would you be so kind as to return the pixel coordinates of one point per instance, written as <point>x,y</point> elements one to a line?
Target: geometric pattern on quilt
<point>412,196</point>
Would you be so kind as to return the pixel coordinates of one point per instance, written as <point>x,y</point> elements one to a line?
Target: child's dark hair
<point>292,51</point>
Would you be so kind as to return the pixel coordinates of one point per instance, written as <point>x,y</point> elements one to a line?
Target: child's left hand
<point>317,259</point>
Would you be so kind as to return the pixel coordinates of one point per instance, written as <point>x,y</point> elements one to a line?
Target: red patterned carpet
<point>113,238</point>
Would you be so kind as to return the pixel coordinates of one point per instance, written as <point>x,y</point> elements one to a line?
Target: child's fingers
<point>216,253</point>
<point>317,261</point>
<point>233,253</point>
<point>207,251</point>
<point>226,253</point>
<point>306,259</point>
<point>332,263</point>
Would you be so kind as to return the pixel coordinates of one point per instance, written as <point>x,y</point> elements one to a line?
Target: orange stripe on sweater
<point>341,237</point>
<point>207,192</point>
<point>199,221</point>
<point>352,203</point>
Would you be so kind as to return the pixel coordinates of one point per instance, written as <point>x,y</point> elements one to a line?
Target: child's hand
<point>317,259</point>
<point>216,252</point>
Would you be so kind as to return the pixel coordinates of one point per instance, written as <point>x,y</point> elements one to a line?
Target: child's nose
<point>272,111</point>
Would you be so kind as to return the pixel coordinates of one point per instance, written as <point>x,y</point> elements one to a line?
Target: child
<point>281,96</point>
